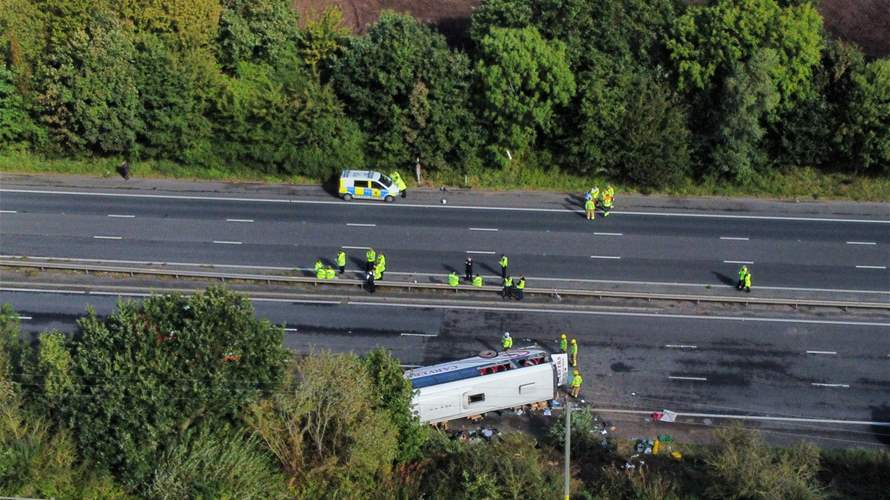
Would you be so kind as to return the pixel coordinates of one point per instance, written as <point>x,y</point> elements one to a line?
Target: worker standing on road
<point>341,261</point>
<point>743,272</point>
<point>453,279</point>
<point>477,281</point>
<point>590,209</point>
<point>573,352</point>
<point>369,279</point>
<point>607,202</point>
<point>381,264</point>
<point>507,341</point>
<point>576,384</point>
<point>504,262</point>
<point>520,288</point>
<point>563,343</point>
<point>748,282</point>
<point>508,287</point>
<point>468,269</point>
<point>372,258</point>
<point>397,179</point>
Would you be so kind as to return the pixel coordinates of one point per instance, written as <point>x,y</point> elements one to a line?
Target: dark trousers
<point>503,272</point>
<point>468,272</point>
<point>372,287</point>
<point>370,266</point>
<point>404,193</point>
<point>518,293</point>
<point>342,269</point>
<point>508,291</point>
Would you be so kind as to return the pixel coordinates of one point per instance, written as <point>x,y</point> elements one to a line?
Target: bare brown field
<point>865,22</point>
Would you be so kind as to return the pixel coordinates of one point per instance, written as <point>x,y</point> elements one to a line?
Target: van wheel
<point>388,198</point>
<point>347,196</point>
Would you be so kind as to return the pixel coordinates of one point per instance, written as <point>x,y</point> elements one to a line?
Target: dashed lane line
<point>681,346</point>
<point>483,229</point>
<point>225,242</point>
<point>871,267</point>
<point>696,379</point>
<point>734,238</point>
<point>830,353</point>
<point>840,386</point>
<point>240,220</point>
<point>354,247</point>
<point>356,224</point>
<point>862,243</point>
<point>749,262</point>
<point>122,216</point>
<point>25,318</point>
<point>613,257</point>
<point>8,212</point>
<point>409,334</point>
<point>608,234</point>
<point>481,252</point>
<point>453,207</point>
<point>100,237</point>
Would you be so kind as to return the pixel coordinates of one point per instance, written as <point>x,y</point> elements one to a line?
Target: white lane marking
<point>615,257</point>
<point>871,267</point>
<point>8,212</point>
<point>843,386</point>
<point>483,229</point>
<point>354,248</point>
<point>406,334</point>
<point>24,318</point>
<point>861,243</point>
<point>290,329</point>
<point>294,301</point>
<point>608,234</point>
<point>409,366</point>
<point>734,238</point>
<point>122,216</point>
<point>452,207</point>
<point>482,252</point>
<point>750,417</point>
<point>738,262</point>
<point>108,237</point>
<point>535,278</point>
<point>822,352</point>
<point>360,225</point>
<point>681,346</point>
<point>239,220</point>
<point>627,314</point>
<point>699,379</point>
<point>42,290</point>
<point>224,242</point>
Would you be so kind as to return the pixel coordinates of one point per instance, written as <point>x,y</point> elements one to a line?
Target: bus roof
<point>465,368</point>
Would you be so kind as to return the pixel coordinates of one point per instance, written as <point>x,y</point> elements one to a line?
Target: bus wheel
<point>388,198</point>
<point>347,196</point>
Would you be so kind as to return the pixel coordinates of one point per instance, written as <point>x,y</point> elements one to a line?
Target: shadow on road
<point>726,280</point>
<point>881,414</point>
<point>332,186</point>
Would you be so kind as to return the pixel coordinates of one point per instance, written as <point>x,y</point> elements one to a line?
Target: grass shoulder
<point>800,183</point>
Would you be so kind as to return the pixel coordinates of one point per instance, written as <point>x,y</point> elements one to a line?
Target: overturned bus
<point>473,386</point>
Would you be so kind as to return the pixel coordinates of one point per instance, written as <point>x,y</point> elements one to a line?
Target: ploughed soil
<point>865,22</point>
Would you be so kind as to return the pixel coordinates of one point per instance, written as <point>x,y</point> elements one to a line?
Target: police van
<point>367,185</point>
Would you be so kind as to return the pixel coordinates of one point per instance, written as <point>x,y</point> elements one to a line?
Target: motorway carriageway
<point>543,244</point>
<point>632,358</point>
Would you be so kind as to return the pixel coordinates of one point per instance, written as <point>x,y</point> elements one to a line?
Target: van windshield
<point>386,181</point>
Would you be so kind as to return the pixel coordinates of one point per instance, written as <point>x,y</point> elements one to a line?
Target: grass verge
<point>801,183</point>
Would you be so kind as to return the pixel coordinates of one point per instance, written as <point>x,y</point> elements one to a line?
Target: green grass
<point>797,183</point>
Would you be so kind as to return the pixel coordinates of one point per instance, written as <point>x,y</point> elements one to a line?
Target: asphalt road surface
<point>833,253</point>
<point>782,366</point>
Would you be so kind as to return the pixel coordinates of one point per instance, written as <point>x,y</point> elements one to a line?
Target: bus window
<point>361,184</point>
<point>377,185</point>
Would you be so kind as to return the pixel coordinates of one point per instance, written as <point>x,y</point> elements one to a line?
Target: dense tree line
<point>650,92</point>
<point>194,397</point>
